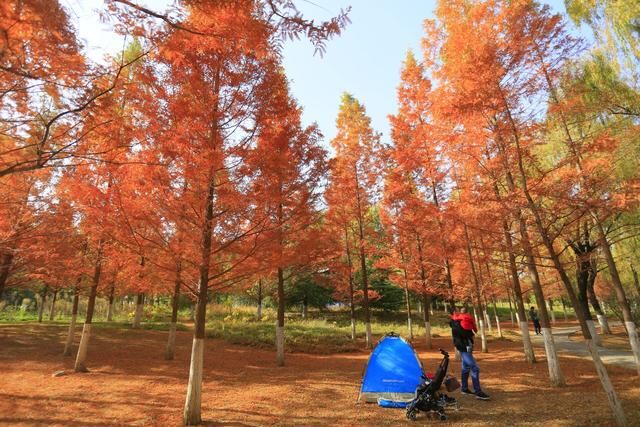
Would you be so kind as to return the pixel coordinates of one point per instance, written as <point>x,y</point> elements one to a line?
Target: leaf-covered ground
<point>131,384</point>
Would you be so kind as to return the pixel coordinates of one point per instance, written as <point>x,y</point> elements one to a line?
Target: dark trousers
<point>536,326</point>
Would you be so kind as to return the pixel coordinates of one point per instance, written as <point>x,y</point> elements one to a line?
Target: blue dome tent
<point>393,371</point>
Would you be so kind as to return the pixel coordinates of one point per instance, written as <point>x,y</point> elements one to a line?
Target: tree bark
<point>6,261</point>
<point>72,325</point>
<point>408,303</point>
<point>111,302</point>
<point>529,354</point>
<point>52,309</point>
<point>597,222</point>
<point>137,317</point>
<point>171,341</point>
<point>259,309</point>
<point>363,267</point>
<point>495,314</point>
<point>81,357</point>
<point>510,308</point>
<point>352,307</point>
<point>280,322</point>
<point>193,403</point>
<point>426,300</point>
<point>548,243</point>
<point>43,298</point>
<point>476,281</point>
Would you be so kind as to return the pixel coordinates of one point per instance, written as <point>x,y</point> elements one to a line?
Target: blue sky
<point>365,60</point>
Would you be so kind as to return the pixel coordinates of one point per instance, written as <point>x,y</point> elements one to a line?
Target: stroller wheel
<point>442,417</point>
<point>411,414</point>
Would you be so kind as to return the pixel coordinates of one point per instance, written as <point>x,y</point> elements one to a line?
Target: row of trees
<point>184,167</point>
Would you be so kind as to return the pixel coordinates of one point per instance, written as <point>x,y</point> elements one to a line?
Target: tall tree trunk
<point>305,307</point>
<point>111,302</point>
<point>6,261</point>
<point>553,363</point>
<point>72,325</point>
<point>602,318</point>
<point>476,281</point>
<point>43,298</point>
<point>408,302</point>
<point>259,309</point>
<point>52,309</point>
<point>363,267</point>
<point>365,289</point>
<point>352,308</point>
<point>137,317</point>
<point>564,309</point>
<point>553,314</point>
<point>602,236</point>
<point>607,386</point>
<point>171,341</point>
<point>447,265</point>
<point>81,357</point>
<point>510,308</point>
<point>495,314</point>
<point>426,301</point>
<point>280,323</point>
<point>529,354</point>
<point>193,403</point>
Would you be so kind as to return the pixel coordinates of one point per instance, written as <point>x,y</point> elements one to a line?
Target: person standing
<point>533,314</point>
<point>462,327</point>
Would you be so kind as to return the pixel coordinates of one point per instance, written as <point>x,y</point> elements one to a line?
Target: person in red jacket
<point>466,320</point>
<point>462,331</point>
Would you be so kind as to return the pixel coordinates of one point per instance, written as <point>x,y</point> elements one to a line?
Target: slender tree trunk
<point>52,309</point>
<point>137,317</point>
<point>602,318</point>
<point>426,301</point>
<point>408,302</point>
<point>614,402</point>
<point>305,308</point>
<point>72,325</point>
<point>111,302</point>
<point>529,354</point>
<point>43,298</point>
<point>259,309</point>
<point>352,307</point>
<point>193,403</point>
<point>564,309</point>
<point>553,314</point>
<point>6,261</point>
<point>81,357</point>
<point>365,288</point>
<point>510,307</point>
<point>495,314</point>
<point>363,263</point>
<point>474,273</point>
<point>553,363</point>
<point>280,323</point>
<point>602,236</point>
<point>171,342</point>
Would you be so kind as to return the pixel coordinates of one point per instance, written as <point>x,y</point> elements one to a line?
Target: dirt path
<point>563,343</point>
<point>131,384</point>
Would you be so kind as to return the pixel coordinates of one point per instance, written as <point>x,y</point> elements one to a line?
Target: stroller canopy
<point>393,371</point>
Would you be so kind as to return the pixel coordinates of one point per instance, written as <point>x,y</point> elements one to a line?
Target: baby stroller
<point>428,398</point>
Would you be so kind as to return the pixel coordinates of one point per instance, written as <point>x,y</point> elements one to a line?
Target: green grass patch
<point>322,333</point>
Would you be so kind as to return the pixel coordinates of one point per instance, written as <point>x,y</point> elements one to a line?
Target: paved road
<point>564,344</point>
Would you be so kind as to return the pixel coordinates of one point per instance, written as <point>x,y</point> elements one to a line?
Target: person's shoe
<point>482,395</point>
<point>466,391</point>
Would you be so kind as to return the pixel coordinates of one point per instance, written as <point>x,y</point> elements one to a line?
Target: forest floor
<point>130,383</point>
